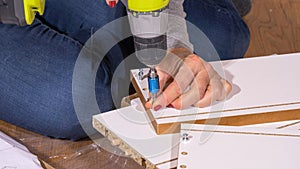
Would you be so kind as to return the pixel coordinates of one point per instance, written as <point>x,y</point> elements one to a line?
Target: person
<point>37,62</point>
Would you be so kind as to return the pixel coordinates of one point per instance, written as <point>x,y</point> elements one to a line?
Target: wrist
<point>180,52</point>
<point>173,60</point>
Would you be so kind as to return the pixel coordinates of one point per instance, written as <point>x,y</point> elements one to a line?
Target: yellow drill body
<point>31,7</point>
<point>147,5</point>
<point>148,21</point>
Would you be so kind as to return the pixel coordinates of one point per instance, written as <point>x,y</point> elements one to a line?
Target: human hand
<point>195,82</point>
<point>112,3</point>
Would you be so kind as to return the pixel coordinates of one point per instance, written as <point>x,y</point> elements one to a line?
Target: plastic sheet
<point>15,155</point>
<point>65,154</point>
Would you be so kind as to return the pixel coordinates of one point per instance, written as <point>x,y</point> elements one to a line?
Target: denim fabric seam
<point>61,34</point>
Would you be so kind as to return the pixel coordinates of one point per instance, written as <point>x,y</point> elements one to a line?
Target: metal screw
<point>141,74</point>
<point>186,137</point>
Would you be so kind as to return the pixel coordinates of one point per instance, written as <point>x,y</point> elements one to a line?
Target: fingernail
<point>112,3</point>
<point>170,106</point>
<point>148,105</point>
<point>157,107</point>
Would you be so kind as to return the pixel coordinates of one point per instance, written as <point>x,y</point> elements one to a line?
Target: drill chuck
<point>148,21</point>
<point>150,51</point>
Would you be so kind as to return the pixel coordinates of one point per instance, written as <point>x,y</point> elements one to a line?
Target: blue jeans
<point>37,61</point>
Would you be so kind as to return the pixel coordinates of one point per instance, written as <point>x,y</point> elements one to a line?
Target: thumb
<point>163,78</point>
<point>112,3</point>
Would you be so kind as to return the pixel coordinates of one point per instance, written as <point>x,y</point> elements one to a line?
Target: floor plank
<point>274,27</point>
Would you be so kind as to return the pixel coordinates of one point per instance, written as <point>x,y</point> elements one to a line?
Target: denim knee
<point>222,25</point>
<point>80,18</point>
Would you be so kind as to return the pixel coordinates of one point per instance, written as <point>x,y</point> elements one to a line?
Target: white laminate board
<point>212,147</point>
<point>258,83</point>
<point>274,125</point>
<point>132,126</point>
<point>293,126</point>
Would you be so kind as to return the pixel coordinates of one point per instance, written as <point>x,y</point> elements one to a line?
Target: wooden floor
<point>275,29</point>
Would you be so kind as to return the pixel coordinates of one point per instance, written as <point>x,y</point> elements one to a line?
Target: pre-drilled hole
<point>183,166</point>
<point>184,153</point>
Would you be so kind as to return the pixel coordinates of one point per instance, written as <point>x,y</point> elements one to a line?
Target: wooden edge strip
<point>143,100</point>
<point>229,110</point>
<point>164,162</point>
<point>249,119</point>
<point>127,149</point>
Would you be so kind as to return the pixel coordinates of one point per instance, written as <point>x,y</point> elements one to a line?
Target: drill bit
<point>153,83</point>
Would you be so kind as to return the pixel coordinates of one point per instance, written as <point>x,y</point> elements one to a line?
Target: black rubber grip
<point>150,51</point>
<point>12,12</point>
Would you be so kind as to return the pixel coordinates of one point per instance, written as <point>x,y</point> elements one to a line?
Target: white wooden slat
<point>133,127</point>
<point>257,82</point>
<point>239,147</point>
<point>274,125</point>
<point>292,126</point>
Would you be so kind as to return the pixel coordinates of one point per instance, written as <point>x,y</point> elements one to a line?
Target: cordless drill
<point>149,22</point>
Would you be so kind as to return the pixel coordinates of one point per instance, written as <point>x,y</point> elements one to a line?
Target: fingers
<point>188,71</point>
<point>216,91</point>
<point>206,100</point>
<point>182,80</point>
<point>227,89</point>
<point>112,3</point>
<point>173,60</point>
<point>196,92</point>
<point>168,67</point>
<point>163,78</point>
